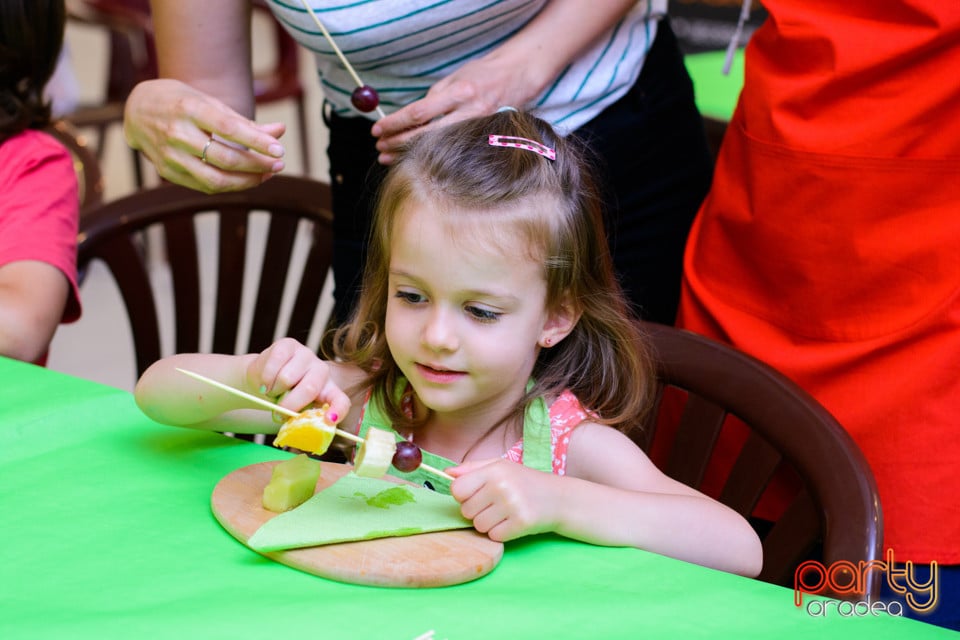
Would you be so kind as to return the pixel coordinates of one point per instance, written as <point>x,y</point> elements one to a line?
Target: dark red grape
<point>407,457</point>
<point>365,98</point>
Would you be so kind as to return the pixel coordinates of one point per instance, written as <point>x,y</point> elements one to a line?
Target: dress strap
<point>537,438</point>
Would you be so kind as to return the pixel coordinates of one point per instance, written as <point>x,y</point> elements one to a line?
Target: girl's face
<point>464,318</point>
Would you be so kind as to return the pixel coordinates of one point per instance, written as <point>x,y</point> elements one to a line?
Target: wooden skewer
<point>261,401</point>
<point>290,414</point>
<point>336,50</point>
<point>436,472</point>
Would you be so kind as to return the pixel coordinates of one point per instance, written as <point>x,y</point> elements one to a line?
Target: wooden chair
<point>272,242</point>
<point>89,174</point>
<point>837,508</point>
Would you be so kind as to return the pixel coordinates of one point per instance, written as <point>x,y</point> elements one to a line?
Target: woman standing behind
<point>39,206</point>
<point>828,245</point>
<point>610,72</point>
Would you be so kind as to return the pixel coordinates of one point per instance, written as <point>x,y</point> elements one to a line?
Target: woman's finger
<point>173,125</point>
<point>213,117</point>
<point>184,171</point>
<point>224,155</point>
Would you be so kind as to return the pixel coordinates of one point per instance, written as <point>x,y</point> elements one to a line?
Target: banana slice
<point>308,431</point>
<point>375,454</point>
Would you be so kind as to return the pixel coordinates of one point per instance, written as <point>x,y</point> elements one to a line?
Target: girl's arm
<point>206,87</point>
<point>513,74</point>
<point>33,295</point>
<point>613,495</point>
<point>286,368</point>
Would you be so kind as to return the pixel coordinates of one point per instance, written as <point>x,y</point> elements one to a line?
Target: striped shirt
<point>402,47</point>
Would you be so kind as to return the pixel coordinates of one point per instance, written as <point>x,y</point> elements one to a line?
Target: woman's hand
<point>171,122</point>
<point>477,89</point>
<point>512,75</point>
<point>294,371</point>
<point>504,499</point>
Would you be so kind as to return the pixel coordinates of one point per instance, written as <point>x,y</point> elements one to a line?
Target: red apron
<point>829,245</point>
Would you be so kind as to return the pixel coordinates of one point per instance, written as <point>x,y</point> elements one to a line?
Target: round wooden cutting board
<point>425,560</point>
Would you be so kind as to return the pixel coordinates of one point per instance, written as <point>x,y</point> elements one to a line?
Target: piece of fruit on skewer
<point>375,454</point>
<point>314,421</point>
<point>364,98</point>
<point>381,449</point>
<point>311,432</point>
<point>307,431</point>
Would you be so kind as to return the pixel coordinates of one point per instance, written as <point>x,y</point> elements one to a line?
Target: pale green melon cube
<point>292,483</point>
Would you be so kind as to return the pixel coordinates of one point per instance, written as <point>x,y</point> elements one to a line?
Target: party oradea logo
<point>844,578</point>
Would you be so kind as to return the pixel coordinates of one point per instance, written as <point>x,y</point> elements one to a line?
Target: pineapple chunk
<point>292,483</point>
<point>309,431</point>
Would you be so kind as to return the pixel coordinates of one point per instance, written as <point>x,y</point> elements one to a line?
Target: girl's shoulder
<point>31,148</point>
<point>567,413</point>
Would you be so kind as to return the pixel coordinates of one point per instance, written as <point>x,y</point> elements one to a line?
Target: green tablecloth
<point>107,533</point>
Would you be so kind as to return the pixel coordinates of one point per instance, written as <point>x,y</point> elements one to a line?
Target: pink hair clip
<point>522,143</point>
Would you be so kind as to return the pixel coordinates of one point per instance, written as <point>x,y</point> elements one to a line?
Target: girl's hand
<point>506,500</point>
<point>170,122</point>
<point>294,371</point>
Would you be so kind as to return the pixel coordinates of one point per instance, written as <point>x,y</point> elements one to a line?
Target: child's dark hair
<point>31,36</point>
<point>554,208</point>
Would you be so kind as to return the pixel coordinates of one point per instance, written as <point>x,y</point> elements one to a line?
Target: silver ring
<point>203,154</point>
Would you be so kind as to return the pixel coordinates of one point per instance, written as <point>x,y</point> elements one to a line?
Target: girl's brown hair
<point>31,36</point>
<point>605,359</point>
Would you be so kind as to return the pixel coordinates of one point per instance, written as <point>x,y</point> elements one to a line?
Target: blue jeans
<point>947,612</point>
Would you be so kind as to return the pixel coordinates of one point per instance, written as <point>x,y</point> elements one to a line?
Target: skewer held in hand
<point>263,402</point>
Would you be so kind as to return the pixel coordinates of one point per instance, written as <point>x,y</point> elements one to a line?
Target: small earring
<point>547,342</point>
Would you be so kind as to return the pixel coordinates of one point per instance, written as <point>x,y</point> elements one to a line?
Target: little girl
<point>491,332</point>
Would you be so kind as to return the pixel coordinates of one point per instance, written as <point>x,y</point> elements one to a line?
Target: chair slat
<point>753,469</point>
<point>181,243</point>
<point>790,540</point>
<point>697,433</point>
<point>234,225</point>
<point>281,236</point>
<point>123,256</point>
<point>314,276</point>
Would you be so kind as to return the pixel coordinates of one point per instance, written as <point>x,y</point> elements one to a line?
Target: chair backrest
<point>85,164</point>
<point>271,244</point>
<point>836,508</point>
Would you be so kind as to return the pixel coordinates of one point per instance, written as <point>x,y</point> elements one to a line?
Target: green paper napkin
<point>355,508</point>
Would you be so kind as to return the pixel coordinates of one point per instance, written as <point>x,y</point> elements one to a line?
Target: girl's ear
<point>560,322</point>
